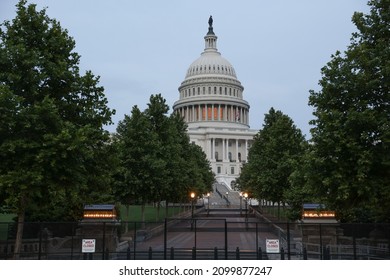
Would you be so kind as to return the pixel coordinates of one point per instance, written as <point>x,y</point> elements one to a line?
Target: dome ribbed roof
<point>211,63</point>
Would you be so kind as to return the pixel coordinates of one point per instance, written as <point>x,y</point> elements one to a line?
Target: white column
<point>223,149</point>
<point>236,150</point>
<point>212,148</point>
<point>227,149</point>
<point>219,112</point>
<point>212,112</point>
<point>246,150</point>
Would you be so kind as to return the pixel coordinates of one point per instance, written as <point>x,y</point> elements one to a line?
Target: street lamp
<point>208,203</point>
<point>246,207</point>
<point>227,198</point>
<point>240,203</point>
<point>192,195</point>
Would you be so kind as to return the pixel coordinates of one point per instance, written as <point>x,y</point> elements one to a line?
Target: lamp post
<point>240,203</point>
<point>227,198</point>
<point>192,195</point>
<point>208,203</point>
<point>246,207</point>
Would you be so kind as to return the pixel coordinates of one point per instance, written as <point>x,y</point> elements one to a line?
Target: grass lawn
<point>4,220</point>
<point>150,213</point>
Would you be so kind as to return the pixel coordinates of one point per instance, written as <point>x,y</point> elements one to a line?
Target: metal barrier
<point>199,238</point>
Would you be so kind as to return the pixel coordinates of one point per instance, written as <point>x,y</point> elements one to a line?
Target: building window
<point>216,155</point>
<point>219,169</point>
<point>230,156</point>
<point>232,170</point>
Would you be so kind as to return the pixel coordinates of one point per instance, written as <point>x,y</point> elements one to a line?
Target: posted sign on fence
<point>272,245</point>
<point>88,245</point>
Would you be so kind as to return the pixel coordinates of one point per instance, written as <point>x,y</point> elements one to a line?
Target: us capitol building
<point>211,102</point>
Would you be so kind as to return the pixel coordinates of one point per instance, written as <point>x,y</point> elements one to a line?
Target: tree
<point>276,148</point>
<point>51,117</point>
<point>156,161</point>
<point>351,137</point>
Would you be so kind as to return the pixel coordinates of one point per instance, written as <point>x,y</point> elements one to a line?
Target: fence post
<point>40,241</point>
<point>193,253</point>
<point>226,241</point>
<point>150,253</point>
<point>288,241</point>
<point>282,253</point>
<point>128,253</point>
<point>107,254</point>
<point>321,255</point>
<point>259,254</point>
<point>135,239</point>
<point>104,240</point>
<point>304,253</point>
<point>237,253</point>
<point>215,253</point>
<point>172,253</point>
<point>165,238</point>
<point>354,242</point>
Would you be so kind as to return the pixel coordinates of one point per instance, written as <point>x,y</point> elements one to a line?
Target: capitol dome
<point>211,94</point>
<point>211,63</point>
<point>217,116</point>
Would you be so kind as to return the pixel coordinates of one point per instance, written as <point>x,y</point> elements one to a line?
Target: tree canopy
<point>52,139</point>
<point>271,159</point>
<point>156,161</point>
<point>351,134</point>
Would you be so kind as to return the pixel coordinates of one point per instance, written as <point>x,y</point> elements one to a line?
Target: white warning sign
<point>88,245</point>
<point>272,245</point>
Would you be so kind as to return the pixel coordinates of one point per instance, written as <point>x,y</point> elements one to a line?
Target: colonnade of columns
<point>214,112</point>
<point>232,150</point>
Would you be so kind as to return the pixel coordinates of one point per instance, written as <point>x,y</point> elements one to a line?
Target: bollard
<point>282,253</point>
<point>172,253</point>
<point>259,254</point>
<point>150,253</point>
<point>237,253</point>
<point>215,253</point>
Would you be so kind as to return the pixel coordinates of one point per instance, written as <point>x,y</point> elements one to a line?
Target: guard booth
<point>102,212</point>
<point>99,227</point>
<point>317,213</point>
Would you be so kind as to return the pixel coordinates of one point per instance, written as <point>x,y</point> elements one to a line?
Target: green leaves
<point>352,113</point>
<point>52,144</point>
<point>156,160</point>
<point>277,146</point>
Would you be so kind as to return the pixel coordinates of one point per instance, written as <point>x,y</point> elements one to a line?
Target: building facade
<point>211,102</point>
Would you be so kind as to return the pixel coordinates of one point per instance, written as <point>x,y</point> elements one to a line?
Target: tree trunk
<point>20,227</point>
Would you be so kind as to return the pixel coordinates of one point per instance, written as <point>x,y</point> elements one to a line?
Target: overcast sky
<point>139,48</point>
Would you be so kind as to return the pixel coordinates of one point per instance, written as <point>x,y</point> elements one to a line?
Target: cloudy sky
<point>139,48</point>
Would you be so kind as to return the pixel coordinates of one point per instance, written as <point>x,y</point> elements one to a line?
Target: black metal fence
<point>197,239</point>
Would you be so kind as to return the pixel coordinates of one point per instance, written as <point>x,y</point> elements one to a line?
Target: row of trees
<point>56,156</point>
<point>346,164</point>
